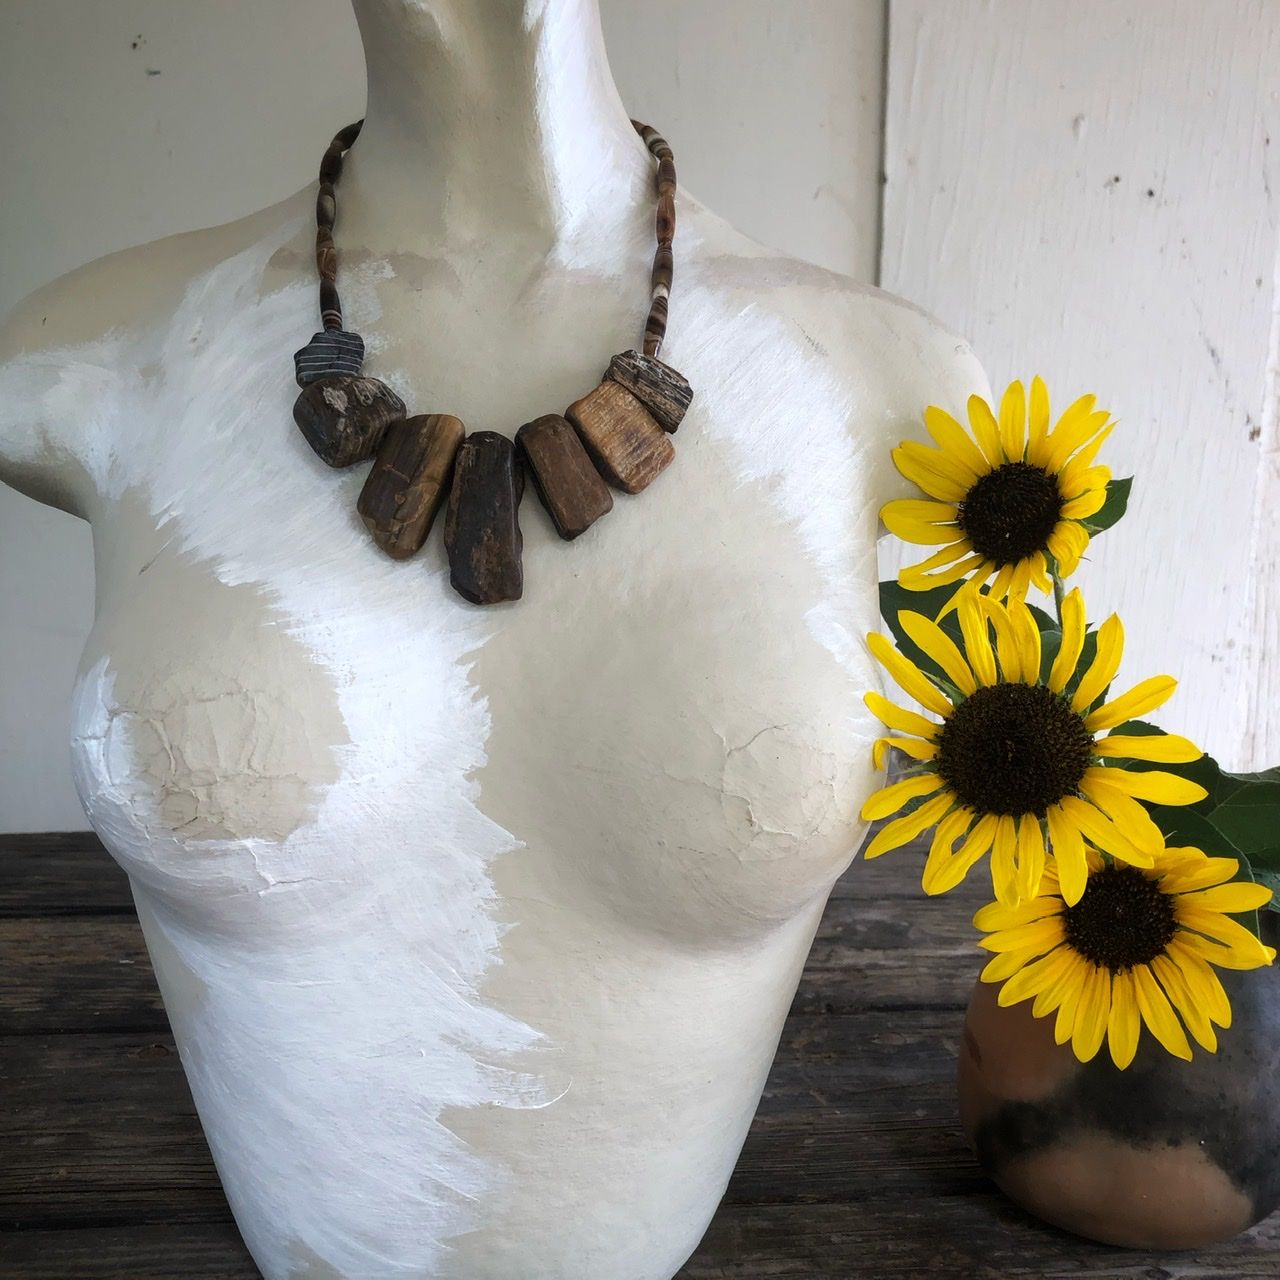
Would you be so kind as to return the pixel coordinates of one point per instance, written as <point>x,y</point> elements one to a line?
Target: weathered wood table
<point>855,1165</point>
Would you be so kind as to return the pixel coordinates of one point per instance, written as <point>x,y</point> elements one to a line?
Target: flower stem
<point>1058,594</point>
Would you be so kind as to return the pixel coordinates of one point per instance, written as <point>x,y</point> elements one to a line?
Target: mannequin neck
<point>489,117</point>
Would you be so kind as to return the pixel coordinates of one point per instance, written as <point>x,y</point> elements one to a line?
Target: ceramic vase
<point>1166,1154</point>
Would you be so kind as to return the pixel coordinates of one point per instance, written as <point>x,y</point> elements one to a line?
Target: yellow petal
<point>1158,1014</point>
<point>1040,572</point>
<point>1156,787</point>
<point>1242,895</point>
<point>950,829</point>
<point>1233,941</point>
<point>921,533</point>
<point>1000,587</point>
<point>1020,582</point>
<point>1068,852</point>
<point>1074,431</point>
<point>1027,636</point>
<point>1068,968</point>
<point>1092,1016</point>
<point>945,488</point>
<point>913,747</point>
<point>1038,422</point>
<point>939,646</point>
<point>1124,1026</point>
<point>996,916</point>
<point>977,640</point>
<point>1158,748</point>
<point>880,804</point>
<point>1046,933</point>
<point>946,874</point>
<point>1004,868</point>
<point>1002,967</point>
<point>985,430</point>
<point>1031,980</point>
<point>1102,670</point>
<point>938,560</point>
<point>913,580</point>
<point>1030,856</point>
<point>1070,474</point>
<point>1066,544</point>
<point>953,439</point>
<point>1199,872</point>
<point>1143,697</point>
<point>1100,831</point>
<point>1203,984</point>
<point>1073,628</point>
<point>903,830</point>
<point>1006,640</point>
<point>896,717</point>
<point>1013,419</point>
<point>1130,818</point>
<point>940,463</point>
<point>1185,1004</point>
<point>1086,505</point>
<point>912,680</point>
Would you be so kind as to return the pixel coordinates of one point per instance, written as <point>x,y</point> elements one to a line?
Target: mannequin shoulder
<point>126,291</point>
<point>879,348</point>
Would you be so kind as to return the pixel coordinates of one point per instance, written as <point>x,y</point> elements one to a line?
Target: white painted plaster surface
<point>477,928</point>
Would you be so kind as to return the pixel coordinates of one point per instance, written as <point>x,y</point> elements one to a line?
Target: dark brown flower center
<point>1010,512</point>
<point>1124,919</point>
<point>1013,749</point>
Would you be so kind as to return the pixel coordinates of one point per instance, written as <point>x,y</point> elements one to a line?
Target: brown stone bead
<point>569,485</point>
<point>410,481</point>
<point>660,388</point>
<point>622,436</point>
<point>343,419</point>
<point>482,526</point>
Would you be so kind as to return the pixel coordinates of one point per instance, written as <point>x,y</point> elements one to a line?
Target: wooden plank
<point>60,873</point>
<point>77,974</point>
<point>100,1127</point>
<point>1085,189</point>
<point>945,1237</point>
<point>160,1251</point>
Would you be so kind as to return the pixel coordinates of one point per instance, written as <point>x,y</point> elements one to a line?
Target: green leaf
<point>896,599</point>
<point>1115,506</point>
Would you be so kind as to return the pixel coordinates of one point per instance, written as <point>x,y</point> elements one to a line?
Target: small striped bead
<point>333,353</point>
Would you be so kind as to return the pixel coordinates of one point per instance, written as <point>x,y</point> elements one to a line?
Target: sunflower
<point>1139,946</point>
<point>1008,501</point>
<point>1016,765</point>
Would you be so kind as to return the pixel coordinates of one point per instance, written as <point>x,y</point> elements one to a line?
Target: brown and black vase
<point>1164,1155</point>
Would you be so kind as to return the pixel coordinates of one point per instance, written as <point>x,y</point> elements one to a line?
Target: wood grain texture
<point>621,435</point>
<point>343,419</point>
<point>566,479</point>
<point>409,481</point>
<point>854,1166</point>
<point>1085,189</point>
<point>482,526</point>
<point>664,391</point>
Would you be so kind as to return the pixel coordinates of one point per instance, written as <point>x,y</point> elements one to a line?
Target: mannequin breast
<point>477,927</point>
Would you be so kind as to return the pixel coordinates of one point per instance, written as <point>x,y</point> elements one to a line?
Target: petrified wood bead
<point>482,526</point>
<point>343,419</point>
<point>409,481</point>
<point>622,436</point>
<point>569,485</point>
<point>660,388</point>
<point>331,353</point>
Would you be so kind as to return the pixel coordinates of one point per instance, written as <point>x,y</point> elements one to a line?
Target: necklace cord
<point>655,327</point>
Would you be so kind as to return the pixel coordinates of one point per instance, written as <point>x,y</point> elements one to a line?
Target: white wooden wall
<point>1083,188</point>
<point>1088,189</point>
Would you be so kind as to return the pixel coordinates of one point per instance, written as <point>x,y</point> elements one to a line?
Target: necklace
<point>619,433</point>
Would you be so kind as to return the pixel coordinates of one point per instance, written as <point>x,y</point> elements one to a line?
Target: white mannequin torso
<point>476,927</point>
